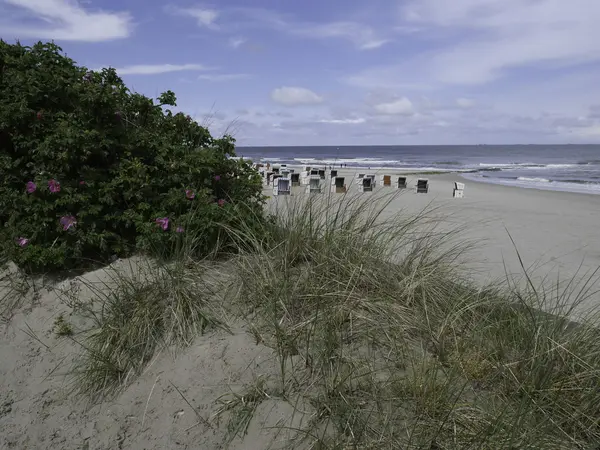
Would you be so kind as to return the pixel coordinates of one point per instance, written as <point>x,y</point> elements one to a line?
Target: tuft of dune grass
<point>136,312</point>
<point>396,348</point>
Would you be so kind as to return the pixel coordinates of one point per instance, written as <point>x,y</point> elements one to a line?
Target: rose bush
<point>90,169</point>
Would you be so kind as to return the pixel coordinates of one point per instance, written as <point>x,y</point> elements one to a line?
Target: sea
<point>573,168</point>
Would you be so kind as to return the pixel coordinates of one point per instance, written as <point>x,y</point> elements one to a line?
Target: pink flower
<point>179,229</point>
<point>81,183</point>
<point>31,187</point>
<point>68,222</point>
<point>190,194</point>
<point>163,222</point>
<point>221,202</point>
<point>217,177</point>
<point>39,115</point>
<point>22,242</point>
<point>54,186</point>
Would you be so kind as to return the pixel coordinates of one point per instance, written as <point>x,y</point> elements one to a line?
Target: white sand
<point>39,411</point>
<point>557,234</point>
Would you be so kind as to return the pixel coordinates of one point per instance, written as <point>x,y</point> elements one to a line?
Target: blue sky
<point>344,72</point>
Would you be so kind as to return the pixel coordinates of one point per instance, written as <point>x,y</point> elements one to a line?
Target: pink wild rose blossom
<point>189,194</point>
<point>221,202</point>
<point>163,222</point>
<point>217,177</point>
<point>30,187</point>
<point>22,242</point>
<point>68,222</point>
<point>54,186</point>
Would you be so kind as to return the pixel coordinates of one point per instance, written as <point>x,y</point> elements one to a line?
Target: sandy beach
<point>556,233</point>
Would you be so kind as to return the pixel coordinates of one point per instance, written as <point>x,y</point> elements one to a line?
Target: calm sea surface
<point>573,168</point>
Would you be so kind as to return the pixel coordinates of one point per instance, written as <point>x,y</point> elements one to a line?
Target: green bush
<point>88,168</point>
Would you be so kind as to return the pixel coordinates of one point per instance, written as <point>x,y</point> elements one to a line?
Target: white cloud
<point>236,42</point>
<point>400,107</point>
<point>205,17</point>
<point>465,103</point>
<point>475,42</point>
<point>65,20</point>
<point>344,121</point>
<point>361,35</point>
<point>293,96</point>
<point>224,77</point>
<point>509,34</point>
<point>153,69</point>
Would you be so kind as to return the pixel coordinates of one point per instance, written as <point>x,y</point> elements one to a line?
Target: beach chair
<point>337,185</point>
<point>422,186</point>
<point>275,169</point>
<point>322,174</point>
<point>359,178</point>
<point>372,177</point>
<point>285,173</point>
<point>366,185</point>
<point>295,178</point>
<point>333,173</point>
<point>314,172</point>
<point>314,185</point>
<point>269,175</point>
<point>386,180</point>
<point>401,183</point>
<point>459,190</point>
<point>274,179</point>
<point>282,186</point>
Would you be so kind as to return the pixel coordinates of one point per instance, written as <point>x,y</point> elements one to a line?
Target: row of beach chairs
<point>283,179</point>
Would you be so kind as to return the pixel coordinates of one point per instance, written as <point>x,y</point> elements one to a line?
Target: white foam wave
<point>506,164</point>
<point>537,183</point>
<point>535,179</point>
<point>353,161</point>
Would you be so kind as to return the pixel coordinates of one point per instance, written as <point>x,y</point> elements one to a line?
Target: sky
<point>345,72</point>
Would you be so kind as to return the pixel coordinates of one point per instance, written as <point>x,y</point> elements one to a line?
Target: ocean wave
<point>512,164</point>
<point>540,180</point>
<point>352,161</point>
<point>576,186</point>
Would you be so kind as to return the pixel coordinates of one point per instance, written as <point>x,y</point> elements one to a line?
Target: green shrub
<point>88,168</point>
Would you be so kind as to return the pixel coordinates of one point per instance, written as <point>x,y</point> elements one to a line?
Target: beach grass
<point>140,310</point>
<point>375,322</point>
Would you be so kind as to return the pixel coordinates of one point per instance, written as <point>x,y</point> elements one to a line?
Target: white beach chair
<point>422,186</point>
<point>337,185</point>
<point>366,185</point>
<point>322,174</point>
<point>333,173</point>
<point>282,186</point>
<point>314,185</point>
<point>359,178</point>
<point>401,183</point>
<point>459,190</point>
